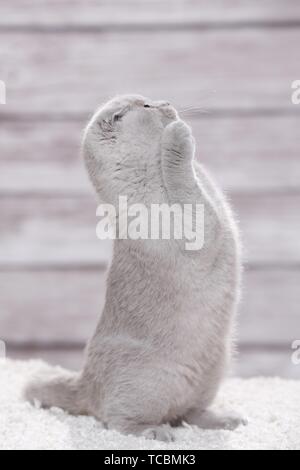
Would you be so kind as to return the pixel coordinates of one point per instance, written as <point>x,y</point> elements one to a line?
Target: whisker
<point>194,112</point>
<point>189,108</point>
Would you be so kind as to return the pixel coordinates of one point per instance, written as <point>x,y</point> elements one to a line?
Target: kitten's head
<point>123,137</point>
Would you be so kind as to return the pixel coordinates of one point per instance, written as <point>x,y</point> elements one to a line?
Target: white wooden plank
<point>95,13</point>
<point>62,231</point>
<point>68,359</point>
<point>256,154</point>
<point>266,363</point>
<point>47,307</point>
<point>43,178</point>
<point>262,363</point>
<point>242,70</point>
<point>270,227</point>
<point>269,311</point>
<point>62,307</point>
<point>245,155</point>
<point>50,231</point>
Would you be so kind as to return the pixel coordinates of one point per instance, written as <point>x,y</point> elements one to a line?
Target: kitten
<point>164,339</point>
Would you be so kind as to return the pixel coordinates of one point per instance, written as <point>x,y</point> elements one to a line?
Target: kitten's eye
<point>147,106</point>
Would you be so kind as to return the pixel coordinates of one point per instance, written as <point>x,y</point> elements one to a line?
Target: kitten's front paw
<point>178,131</point>
<point>178,140</point>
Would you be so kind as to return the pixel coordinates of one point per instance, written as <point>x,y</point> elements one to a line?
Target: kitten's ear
<point>119,115</point>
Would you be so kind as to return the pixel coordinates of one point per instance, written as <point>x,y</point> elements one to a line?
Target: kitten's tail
<point>60,390</point>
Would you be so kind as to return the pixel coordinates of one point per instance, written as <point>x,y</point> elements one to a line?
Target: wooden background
<point>235,61</point>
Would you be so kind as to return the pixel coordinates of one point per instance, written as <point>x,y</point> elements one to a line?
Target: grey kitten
<point>164,339</point>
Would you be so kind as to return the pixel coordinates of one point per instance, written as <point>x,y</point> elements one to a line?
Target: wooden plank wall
<point>234,61</point>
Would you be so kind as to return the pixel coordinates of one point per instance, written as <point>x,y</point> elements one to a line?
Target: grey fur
<point>165,337</point>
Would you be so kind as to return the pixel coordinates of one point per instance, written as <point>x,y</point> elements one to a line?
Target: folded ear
<point>118,115</point>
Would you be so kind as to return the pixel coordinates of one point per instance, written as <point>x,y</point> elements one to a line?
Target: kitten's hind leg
<point>211,420</point>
